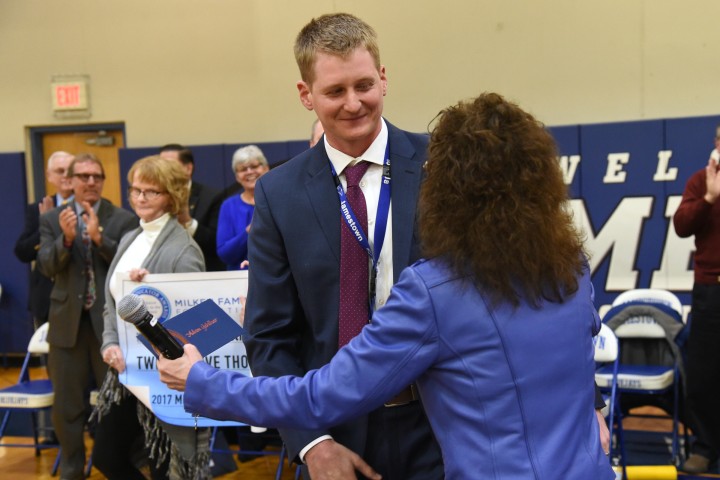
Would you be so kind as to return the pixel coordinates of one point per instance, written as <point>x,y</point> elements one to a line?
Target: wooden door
<point>95,142</point>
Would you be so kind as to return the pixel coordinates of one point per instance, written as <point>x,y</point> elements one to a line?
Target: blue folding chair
<point>29,396</point>
<point>607,356</point>
<point>648,324</point>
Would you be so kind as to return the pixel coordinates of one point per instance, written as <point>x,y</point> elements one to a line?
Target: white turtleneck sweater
<point>138,250</point>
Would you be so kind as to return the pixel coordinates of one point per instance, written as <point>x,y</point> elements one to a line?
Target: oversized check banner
<point>167,295</point>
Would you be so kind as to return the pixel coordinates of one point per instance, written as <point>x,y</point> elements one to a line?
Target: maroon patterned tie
<point>354,269</point>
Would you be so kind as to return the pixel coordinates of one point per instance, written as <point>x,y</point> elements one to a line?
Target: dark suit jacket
<point>26,249</point>
<point>205,208</point>
<point>67,267</point>
<point>294,275</point>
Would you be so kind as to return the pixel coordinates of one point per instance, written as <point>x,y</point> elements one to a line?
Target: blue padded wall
<point>626,209</point>
<point>15,319</point>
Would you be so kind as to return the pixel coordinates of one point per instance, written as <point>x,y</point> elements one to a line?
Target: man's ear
<point>305,94</point>
<point>383,79</point>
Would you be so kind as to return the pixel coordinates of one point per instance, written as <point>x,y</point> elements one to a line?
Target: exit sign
<point>69,95</point>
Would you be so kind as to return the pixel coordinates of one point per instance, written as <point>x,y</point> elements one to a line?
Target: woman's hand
<point>137,274</point>
<point>174,373</point>
<point>113,356</point>
<point>604,432</point>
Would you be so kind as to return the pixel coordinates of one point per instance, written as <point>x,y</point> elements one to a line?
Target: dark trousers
<point>73,371</point>
<point>401,445</point>
<point>119,438</point>
<point>703,365</point>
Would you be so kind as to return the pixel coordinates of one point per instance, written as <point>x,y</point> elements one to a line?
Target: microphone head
<point>131,308</point>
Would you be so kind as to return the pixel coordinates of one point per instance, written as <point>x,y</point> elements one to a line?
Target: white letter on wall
<point>614,172</point>
<point>674,273</point>
<point>662,174</point>
<point>568,165</point>
<point>619,238</point>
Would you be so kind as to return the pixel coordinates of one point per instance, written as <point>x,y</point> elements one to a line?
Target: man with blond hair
<point>306,296</point>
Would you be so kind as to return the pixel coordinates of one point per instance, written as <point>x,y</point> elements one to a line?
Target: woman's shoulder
<point>434,271</point>
<point>233,205</point>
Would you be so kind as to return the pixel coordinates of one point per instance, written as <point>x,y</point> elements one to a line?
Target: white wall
<point>222,71</point>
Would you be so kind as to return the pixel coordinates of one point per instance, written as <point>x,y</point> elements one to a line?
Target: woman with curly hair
<point>495,326</point>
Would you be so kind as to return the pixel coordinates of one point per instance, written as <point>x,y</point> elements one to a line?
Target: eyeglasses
<point>247,167</point>
<point>85,177</point>
<point>134,193</point>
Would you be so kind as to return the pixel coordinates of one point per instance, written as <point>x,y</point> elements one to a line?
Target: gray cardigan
<point>174,251</point>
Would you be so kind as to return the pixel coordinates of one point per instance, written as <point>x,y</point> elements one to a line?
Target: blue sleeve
<point>396,348</point>
<point>232,236</point>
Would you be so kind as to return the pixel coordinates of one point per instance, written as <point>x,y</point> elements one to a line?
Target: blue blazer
<point>509,391</point>
<point>294,276</point>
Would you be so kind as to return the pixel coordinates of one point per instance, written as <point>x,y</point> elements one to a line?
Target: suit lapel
<point>321,191</point>
<point>193,200</point>
<point>104,209</point>
<point>406,171</point>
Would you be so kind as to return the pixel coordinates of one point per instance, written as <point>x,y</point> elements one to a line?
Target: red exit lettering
<point>67,95</point>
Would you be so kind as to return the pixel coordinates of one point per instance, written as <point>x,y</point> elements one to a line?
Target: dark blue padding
<point>15,320</point>
<point>567,139</point>
<point>690,140</point>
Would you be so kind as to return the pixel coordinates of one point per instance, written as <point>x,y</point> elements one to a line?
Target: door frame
<point>35,157</point>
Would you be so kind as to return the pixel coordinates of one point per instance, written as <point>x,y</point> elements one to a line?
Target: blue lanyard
<point>352,223</point>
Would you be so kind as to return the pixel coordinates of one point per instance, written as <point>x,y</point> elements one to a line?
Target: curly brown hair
<point>494,204</point>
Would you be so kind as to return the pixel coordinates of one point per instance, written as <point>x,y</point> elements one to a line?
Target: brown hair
<point>494,203</point>
<point>166,174</point>
<point>84,158</point>
<point>335,34</point>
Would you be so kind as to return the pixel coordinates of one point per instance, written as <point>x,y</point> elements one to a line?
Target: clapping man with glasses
<point>77,244</point>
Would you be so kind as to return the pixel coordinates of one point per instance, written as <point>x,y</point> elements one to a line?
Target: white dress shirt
<point>370,186</point>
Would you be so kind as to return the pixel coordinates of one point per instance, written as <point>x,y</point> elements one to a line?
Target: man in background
<point>298,272</point>
<point>200,216</point>
<point>699,215</point>
<point>28,244</point>
<point>77,244</point>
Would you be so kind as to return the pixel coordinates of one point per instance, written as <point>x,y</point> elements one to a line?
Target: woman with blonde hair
<point>157,192</point>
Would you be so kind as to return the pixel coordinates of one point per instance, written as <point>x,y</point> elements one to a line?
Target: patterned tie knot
<point>354,174</point>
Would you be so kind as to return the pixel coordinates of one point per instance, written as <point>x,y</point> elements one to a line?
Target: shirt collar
<point>59,200</point>
<point>374,154</point>
<point>153,227</point>
<point>79,208</point>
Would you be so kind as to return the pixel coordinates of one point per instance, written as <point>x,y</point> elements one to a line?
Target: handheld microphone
<point>131,308</point>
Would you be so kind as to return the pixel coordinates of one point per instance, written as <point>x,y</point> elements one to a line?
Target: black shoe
<point>50,440</point>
